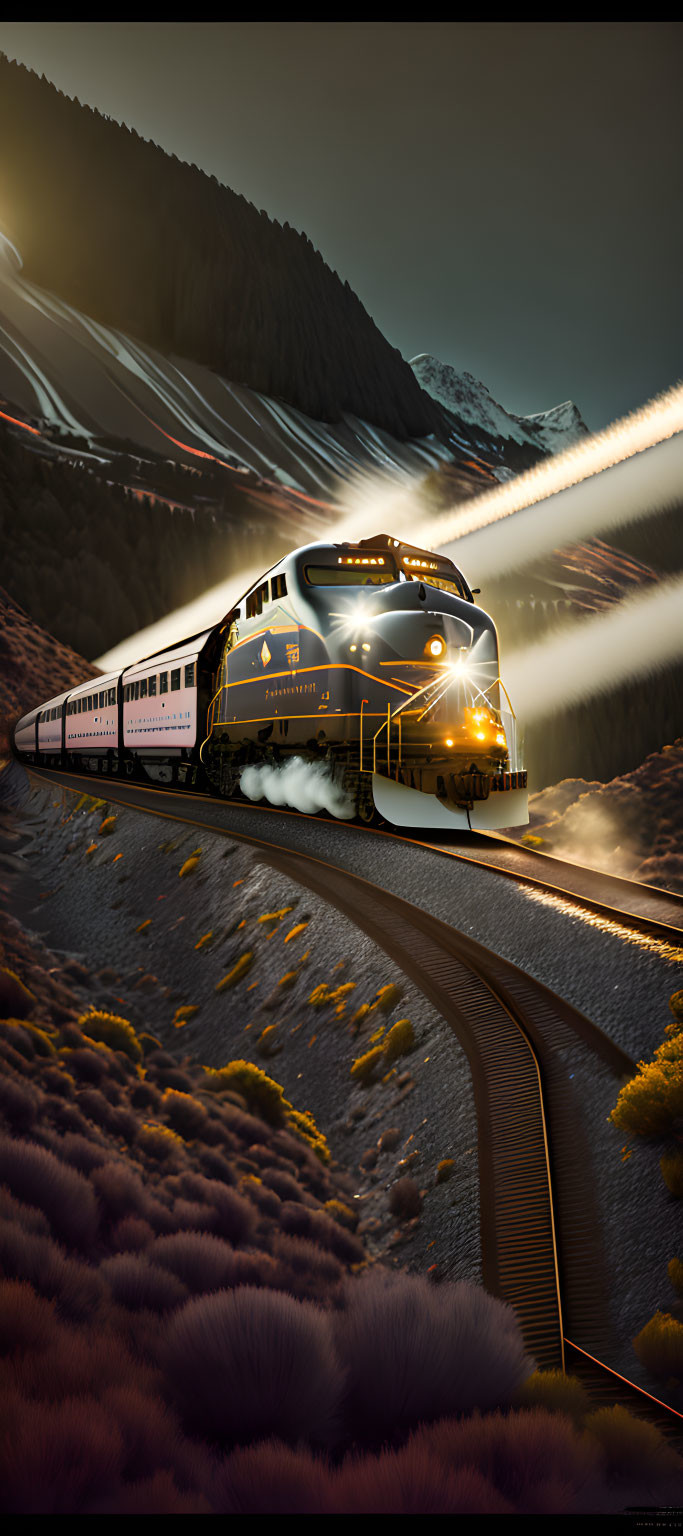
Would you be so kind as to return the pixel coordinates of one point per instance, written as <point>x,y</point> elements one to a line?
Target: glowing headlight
<point>436,647</point>
<point>449,742</point>
<point>500,739</point>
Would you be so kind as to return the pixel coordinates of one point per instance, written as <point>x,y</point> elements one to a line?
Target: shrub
<point>201,1260</point>
<point>110,1030</point>
<point>107,826</point>
<point>139,1285</point>
<point>19,1103</point>
<point>676,1006</point>
<point>649,1104</point>
<point>342,1213</point>
<point>445,1170</point>
<point>239,969</point>
<point>387,998</point>
<point>272,1478</point>
<point>555,1392</point>
<point>27,1321</point>
<point>671,1165</point>
<point>251,1363</point>
<point>190,864</point>
<point>535,1459</point>
<point>184,1113</point>
<point>37,1177</point>
<point>364,1067</point>
<point>184,1014</point>
<point>261,1093</point>
<point>303,1123</point>
<point>659,1346</point>
<point>16,999</point>
<point>675,1273</point>
<point>405,1200</point>
<point>415,1351</point>
<point>400,1040</point>
<point>56,1456</point>
<point>269,1041</point>
<point>158,1141</point>
<point>632,1448</point>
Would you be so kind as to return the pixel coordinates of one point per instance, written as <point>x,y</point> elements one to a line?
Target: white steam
<point>632,639</point>
<point>303,786</point>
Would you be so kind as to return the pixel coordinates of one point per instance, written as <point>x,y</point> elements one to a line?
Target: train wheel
<point>365,805</point>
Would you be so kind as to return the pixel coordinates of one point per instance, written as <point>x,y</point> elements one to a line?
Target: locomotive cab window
<point>278,586</point>
<point>256,600</point>
<point>111,696</point>
<point>348,576</point>
<point>189,675</point>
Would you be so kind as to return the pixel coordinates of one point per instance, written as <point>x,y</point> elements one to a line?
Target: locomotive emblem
<point>265,653</point>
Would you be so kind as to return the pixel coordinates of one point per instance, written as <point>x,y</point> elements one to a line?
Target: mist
<point>633,639</point>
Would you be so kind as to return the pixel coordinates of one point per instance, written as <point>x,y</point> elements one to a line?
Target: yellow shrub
<point>183,1014</point>
<point>190,864</point>
<point>363,1068</point>
<point>158,1140</point>
<point>659,1346</point>
<point>294,932</point>
<point>240,969</point>
<point>387,998</point>
<point>112,1031</point>
<point>556,1392</point>
<point>400,1040</point>
<point>630,1446</point>
<point>262,1094</point>
<point>675,1273</point>
<point>671,1165</point>
<point>274,917</point>
<point>651,1101</point>
<point>205,939</point>
<point>107,826</point>
<point>445,1170</point>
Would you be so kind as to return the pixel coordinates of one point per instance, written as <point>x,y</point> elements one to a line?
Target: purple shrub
<point>202,1261</point>
<point>19,1103</point>
<point>56,1081</point>
<point>249,1363</point>
<point>102,1112</point>
<point>216,1166</point>
<point>130,1235</point>
<point>27,1321</point>
<point>26,1255</point>
<point>296,1219</point>
<point>405,1200</point>
<point>305,1269</point>
<point>329,1234</point>
<point>272,1479</point>
<point>413,1482</point>
<point>120,1190</point>
<point>149,1429</point>
<point>136,1283</point>
<point>193,1216</point>
<point>88,1065</point>
<point>65,1117</point>
<point>156,1495</point>
<point>27,1216</point>
<point>145,1096</point>
<point>39,1178</point>
<point>14,1059</point>
<point>534,1458</point>
<point>418,1352</point>
<point>284,1185</point>
<point>56,1457</point>
<point>82,1152</point>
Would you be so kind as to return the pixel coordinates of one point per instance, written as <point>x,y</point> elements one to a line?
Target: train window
<point>143,688</point>
<point>175,679</point>
<point>189,675</point>
<point>103,700</point>
<point>111,695</point>
<point>256,599</point>
<point>79,703</point>
<point>163,682</point>
<point>347,576</point>
<point>152,687</point>
<point>278,586</point>
<point>445,584</point>
<point>137,689</point>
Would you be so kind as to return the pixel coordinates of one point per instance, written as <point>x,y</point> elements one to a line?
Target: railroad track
<point>540,1228</point>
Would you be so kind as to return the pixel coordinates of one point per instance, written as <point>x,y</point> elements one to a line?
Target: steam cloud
<point>303,786</point>
<point>632,639</point>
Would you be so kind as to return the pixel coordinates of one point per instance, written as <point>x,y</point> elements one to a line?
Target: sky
<point>507,197</point>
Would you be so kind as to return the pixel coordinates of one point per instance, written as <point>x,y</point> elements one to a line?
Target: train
<point>369,659</point>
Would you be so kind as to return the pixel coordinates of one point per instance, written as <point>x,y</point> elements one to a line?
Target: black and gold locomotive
<point>371,658</point>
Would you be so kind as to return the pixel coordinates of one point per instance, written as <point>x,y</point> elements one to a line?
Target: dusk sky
<point>507,197</point>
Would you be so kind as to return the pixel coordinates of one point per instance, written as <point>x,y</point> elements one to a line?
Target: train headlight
<point>500,739</point>
<point>436,647</point>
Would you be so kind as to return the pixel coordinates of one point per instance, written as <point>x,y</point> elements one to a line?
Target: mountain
<point>151,246</point>
<point>478,422</point>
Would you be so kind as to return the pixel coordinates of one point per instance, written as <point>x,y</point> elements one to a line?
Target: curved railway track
<point>540,1228</point>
